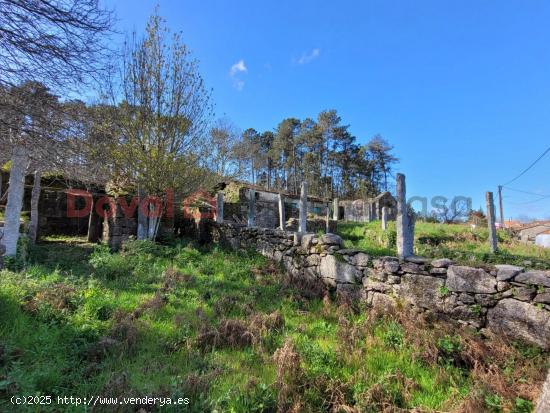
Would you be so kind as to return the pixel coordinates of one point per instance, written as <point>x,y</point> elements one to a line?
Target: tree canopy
<point>321,151</point>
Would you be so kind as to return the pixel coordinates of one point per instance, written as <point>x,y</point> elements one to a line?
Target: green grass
<point>72,295</point>
<point>455,241</point>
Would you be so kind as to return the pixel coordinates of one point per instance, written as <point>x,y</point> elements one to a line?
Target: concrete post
<point>282,218</point>
<point>491,222</point>
<point>544,400</point>
<point>335,211</point>
<point>500,205</point>
<point>405,221</point>
<point>327,229</point>
<point>303,208</point>
<point>384,218</point>
<point>219,207</point>
<point>366,209</point>
<point>251,207</point>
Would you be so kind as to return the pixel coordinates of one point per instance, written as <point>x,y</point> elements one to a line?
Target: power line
<point>532,202</point>
<point>529,167</point>
<point>527,192</point>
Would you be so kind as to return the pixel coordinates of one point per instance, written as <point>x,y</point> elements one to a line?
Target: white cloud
<point>237,68</point>
<point>309,56</point>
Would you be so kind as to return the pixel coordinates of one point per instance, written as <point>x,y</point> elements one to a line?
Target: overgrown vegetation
<point>230,332</point>
<point>458,242</point>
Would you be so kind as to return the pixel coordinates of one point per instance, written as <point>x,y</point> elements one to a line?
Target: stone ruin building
<point>368,210</point>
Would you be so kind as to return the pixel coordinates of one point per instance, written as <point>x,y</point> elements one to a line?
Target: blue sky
<point>462,89</point>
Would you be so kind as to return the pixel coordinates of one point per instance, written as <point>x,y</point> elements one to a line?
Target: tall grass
<point>459,242</point>
<point>228,330</point>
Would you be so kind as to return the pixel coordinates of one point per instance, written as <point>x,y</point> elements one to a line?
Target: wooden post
<point>336,210</point>
<point>251,207</point>
<point>303,208</point>
<point>282,219</point>
<point>219,207</point>
<point>405,221</point>
<point>384,218</point>
<point>500,205</point>
<point>491,222</point>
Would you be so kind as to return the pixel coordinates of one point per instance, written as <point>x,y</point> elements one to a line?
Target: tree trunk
<point>154,225</point>
<point>35,197</point>
<point>94,223</point>
<point>142,229</point>
<point>16,191</point>
<point>152,229</point>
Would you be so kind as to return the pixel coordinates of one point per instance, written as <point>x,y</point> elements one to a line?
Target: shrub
<point>258,398</point>
<point>444,291</point>
<point>388,238</point>
<point>449,348</point>
<point>108,265</point>
<point>134,247</point>
<point>522,406</point>
<point>493,402</point>
<point>393,335</point>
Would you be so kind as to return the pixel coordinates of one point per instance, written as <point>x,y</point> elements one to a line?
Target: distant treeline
<point>320,151</point>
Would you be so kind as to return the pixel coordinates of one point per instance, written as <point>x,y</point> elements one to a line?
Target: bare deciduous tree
<point>56,42</point>
<point>224,142</point>
<point>163,112</point>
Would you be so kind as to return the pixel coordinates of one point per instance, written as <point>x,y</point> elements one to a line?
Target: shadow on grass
<point>69,256</point>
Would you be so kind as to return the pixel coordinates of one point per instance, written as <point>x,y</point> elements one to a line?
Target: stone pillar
<point>491,222</point>
<point>219,207</point>
<point>384,218</point>
<point>251,207</point>
<point>282,218</point>
<point>303,208</point>
<point>336,209</point>
<point>405,221</point>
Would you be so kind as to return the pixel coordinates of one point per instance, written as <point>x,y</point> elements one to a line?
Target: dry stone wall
<point>504,299</point>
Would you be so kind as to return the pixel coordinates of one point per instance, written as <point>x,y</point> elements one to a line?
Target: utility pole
<point>500,205</point>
